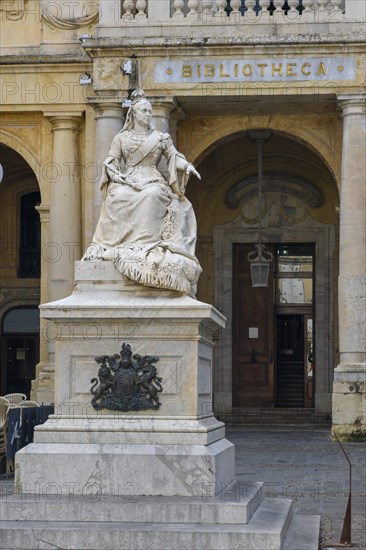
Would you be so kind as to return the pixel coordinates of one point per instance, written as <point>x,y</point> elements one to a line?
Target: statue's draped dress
<point>147,229</point>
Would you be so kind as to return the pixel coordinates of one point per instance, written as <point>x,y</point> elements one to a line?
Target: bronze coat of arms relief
<point>126,382</point>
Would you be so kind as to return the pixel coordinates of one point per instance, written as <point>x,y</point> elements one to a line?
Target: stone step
<point>234,505</point>
<point>303,533</point>
<point>265,531</point>
<point>274,416</point>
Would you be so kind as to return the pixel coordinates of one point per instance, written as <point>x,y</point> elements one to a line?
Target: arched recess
<point>295,210</point>
<point>19,231</point>
<point>24,150</point>
<point>327,145</point>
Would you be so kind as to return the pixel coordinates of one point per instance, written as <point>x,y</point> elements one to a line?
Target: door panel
<point>253,314</point>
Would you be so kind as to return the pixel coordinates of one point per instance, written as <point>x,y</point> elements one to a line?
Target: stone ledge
<point>266,529</point>
<point>218,34</point>
<point>234,505</point>
<point>133,429</point>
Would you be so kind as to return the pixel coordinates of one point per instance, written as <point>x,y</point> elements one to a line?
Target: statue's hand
<point>191,170</point>
<point>114,174</point>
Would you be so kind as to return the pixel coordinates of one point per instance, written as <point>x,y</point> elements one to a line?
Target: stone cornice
<point>173,36</point>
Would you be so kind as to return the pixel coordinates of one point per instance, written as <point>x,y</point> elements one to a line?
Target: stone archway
<point>22,149</point>
<point>301,201</point>
<point>202,136</point>
<point>20,236</point>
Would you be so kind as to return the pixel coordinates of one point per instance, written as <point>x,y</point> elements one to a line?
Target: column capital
<point>178,114</point>
<point>169,103</point>
<point>352,104</point>
<point>107,107</point>
<point>44,212</point>
<point>67,120</point>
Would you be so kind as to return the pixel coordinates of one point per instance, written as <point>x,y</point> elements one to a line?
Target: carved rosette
<point>70,15</point>
<point>13,9</point>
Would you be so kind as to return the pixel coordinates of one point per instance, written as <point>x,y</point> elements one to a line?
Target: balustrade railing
<point>230,11</point>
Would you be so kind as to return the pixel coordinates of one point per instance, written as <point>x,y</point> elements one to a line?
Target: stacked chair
<point>15,398</point>
<point>4,409</point>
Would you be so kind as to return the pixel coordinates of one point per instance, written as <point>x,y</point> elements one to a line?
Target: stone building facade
<point>216,72</point>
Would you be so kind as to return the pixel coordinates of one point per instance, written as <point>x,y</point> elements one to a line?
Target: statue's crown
<point>137,95</point>
<point>126,351</point>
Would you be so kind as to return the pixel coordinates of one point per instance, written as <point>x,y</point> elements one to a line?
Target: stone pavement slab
<point>307,467</point>
<point>310,468</point>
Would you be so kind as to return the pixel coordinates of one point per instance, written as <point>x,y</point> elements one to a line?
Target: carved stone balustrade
<point>231,12</point>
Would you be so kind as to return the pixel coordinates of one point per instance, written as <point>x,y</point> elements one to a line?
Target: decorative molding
<point>44,212</point>
<point>279,182</point>
<point>16,173</point>
<point>14,9</point>
<point>67,17</point>
<point>18,297</point>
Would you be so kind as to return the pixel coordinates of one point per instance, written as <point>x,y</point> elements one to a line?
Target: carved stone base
<point>147,470</point>
<point>349,402</point>
<point>176,449</point>
<point>141,479</point>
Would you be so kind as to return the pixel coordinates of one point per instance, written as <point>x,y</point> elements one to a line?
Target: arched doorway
<point>275,336</point>
<point>20,237</point>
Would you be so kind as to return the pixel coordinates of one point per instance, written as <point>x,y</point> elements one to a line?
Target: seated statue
<point>147,226</point>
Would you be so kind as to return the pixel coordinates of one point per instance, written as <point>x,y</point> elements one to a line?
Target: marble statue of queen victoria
<point>147,226</point>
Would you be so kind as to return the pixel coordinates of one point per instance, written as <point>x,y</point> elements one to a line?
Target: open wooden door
<point>253,334</point>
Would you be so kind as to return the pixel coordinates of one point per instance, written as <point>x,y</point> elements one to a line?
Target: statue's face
<point>142,113</point>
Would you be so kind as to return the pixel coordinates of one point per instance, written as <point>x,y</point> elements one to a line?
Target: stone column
<point>163,121</point>
<point>64,246</point>
<point>176,116</point>
<point>109,121</point>
<point>163,106</point>
<point>61,237</point>
<point>349,397</point>
<point>43,385</point>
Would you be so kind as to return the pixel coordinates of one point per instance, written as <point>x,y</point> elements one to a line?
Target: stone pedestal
<point>154,479</point>
<point>178,449</point>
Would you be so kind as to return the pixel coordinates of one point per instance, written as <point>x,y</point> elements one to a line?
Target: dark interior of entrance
<point>273,339</point>
<point>19,350</point>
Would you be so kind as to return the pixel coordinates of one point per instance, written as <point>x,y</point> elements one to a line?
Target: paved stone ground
<point>307,466</point>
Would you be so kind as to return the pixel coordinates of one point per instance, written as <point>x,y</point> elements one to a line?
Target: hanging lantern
<point>259,260</point>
